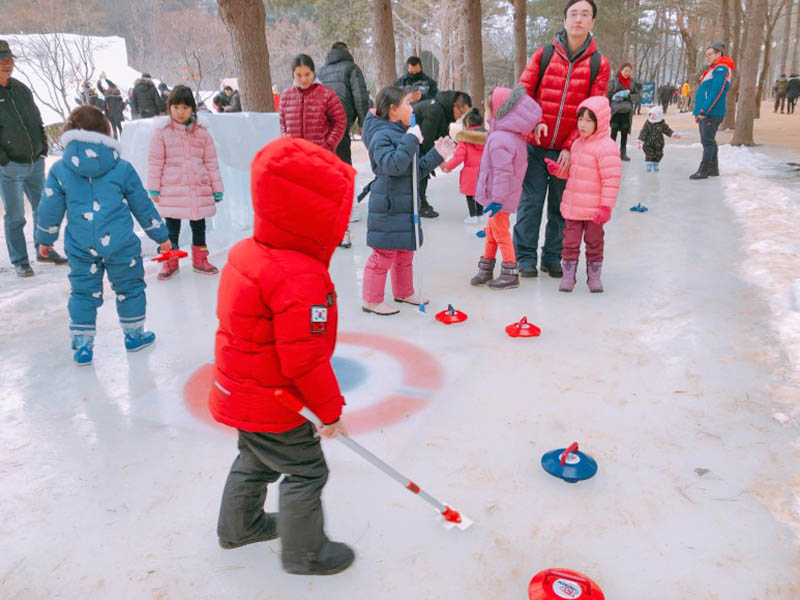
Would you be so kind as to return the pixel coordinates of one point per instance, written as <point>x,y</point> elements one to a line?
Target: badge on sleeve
<point>319,319</point>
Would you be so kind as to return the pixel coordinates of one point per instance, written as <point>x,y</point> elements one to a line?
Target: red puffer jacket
<point>564,86</point>
<point>315,114</point>
<point>276,303</point>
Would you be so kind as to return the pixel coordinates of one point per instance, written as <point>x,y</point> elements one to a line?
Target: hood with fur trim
<point>519,113</point>
<point>472,136</point>
<point>90,154</point>
<point>655,114</point>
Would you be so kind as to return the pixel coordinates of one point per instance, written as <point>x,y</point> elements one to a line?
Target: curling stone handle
<point>551,574</point>
<point>572,448</point>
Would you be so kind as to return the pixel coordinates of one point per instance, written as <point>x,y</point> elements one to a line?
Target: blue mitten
<point>493,209</point>
<point>217,197</point>
<point>481,233</point>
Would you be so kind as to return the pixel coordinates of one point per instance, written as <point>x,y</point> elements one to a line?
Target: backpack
<point>547,54</point>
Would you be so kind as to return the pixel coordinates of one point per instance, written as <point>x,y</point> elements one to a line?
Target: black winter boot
<point>702,171</point>
<point>553,268</point>
<point>509,277</point>
<point>331,558</point>
<point>485,271</point>
<point>713,169</point>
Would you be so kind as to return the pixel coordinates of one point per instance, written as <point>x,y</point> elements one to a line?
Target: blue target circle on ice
<point>350,372</point>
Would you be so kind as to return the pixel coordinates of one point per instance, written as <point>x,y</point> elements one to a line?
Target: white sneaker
<point>471,220</point>
<point>355,216</point>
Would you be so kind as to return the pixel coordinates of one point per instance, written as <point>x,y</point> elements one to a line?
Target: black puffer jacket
<point>420,81</point>
<point>434,118</point>
<point>343,76</point>
<point>146,101</point>
<point>793,88</point>
<point>22,137</point>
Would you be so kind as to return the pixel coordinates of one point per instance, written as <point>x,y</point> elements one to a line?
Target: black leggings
<point>475,209</point>
<point>198,231</point>
<point>116,126</point>
<point>621,122</point>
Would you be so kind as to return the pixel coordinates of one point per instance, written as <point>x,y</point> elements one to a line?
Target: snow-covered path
<point>670,379</point>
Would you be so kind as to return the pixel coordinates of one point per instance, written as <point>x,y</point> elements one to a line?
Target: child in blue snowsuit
<point>99,192</point>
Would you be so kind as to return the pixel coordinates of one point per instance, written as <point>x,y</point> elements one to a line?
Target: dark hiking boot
<point>509,277</point>
<point>624,156</point>
<point>593,272</point>
<point>426,211</point>
<point>332,558</point>
<point>553,268</point>
<point>23,270</point>
<point>485,271</point>
<point>528,271</point>
<point>52,257</point>
<point>569,277</point>
<point>270,533</point>
<point>702,171</point>
<point>713,168</point>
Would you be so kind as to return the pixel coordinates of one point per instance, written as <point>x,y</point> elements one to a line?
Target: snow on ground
<point>112,476</point>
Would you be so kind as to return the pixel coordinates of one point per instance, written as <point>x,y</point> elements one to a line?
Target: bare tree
<point>384,41</point>
<point>796,52</point>
<point>737,41</point>
<point>787,33</point>
<point>774,11</point>
<point>746,105</point>
<point>55,65</point>
<point>246,23</point>
<point>520,37</point>
<point>475,51</point>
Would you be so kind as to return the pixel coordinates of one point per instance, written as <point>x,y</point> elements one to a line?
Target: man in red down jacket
<point>277,331</point>
<point>559,88</point>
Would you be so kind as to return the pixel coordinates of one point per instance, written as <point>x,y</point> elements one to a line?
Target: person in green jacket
<point>780,92</point>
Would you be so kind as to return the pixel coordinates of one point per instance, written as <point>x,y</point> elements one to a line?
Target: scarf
<point>625,81</point>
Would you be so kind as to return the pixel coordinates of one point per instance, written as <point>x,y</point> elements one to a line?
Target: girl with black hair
<point>471,141</point>
<point>183,177</point>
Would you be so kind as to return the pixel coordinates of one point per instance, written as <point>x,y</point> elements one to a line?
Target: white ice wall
<point>238,137</point>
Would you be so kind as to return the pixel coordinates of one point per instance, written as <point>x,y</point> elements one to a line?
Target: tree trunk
<point>787,33</point>
<point>636,39</point>
<point>475,51</point>
<point>521,37</point>
<point>447,34</point>
<point>746,104</point>
<point>738,40</point>
<point>245,21</point>
<point>384,42</point>
<point>796,52</point>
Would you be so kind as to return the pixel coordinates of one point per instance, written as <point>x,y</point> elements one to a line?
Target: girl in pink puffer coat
<point>595,171</point>
<point>183,177</point>
<point>503,165</point>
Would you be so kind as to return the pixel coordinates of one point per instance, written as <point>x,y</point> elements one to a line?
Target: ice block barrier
<point>237,136</point>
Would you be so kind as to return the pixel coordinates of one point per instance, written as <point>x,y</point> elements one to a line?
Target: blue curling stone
<point>577,465</point>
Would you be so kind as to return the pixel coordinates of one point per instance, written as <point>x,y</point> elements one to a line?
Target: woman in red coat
<point>310,110</point>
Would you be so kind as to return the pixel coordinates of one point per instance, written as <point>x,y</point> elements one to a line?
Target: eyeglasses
<point>574,14</point>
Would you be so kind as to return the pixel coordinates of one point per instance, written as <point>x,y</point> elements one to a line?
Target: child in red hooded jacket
<point>469,151</point>
<point>277,332</point>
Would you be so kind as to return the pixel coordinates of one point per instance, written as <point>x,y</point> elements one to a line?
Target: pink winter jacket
<point>595,168</point>
<point>469,151</point>
<point>505,158</point>
<point>182,167</point>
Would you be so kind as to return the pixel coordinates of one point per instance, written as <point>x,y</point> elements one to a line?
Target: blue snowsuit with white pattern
<point>99,192</point>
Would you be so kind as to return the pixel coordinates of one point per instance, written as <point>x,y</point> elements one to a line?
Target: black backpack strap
<point>544,60</point>
<point>596,61</point>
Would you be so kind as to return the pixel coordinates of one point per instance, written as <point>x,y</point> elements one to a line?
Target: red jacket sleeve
<point>337,119</point>
<point>458,157</point>
<point>305,356</point>
<point>530,76</point>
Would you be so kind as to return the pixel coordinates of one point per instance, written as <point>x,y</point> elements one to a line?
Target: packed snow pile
<point>54,65</point>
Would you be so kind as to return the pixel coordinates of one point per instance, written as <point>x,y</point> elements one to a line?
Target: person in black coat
<point>434,118</point>
<point>222,100</point>
<point>415,82</point>
<point>792,93</point>
<point>114,105</point>
<point>146,101</point>
<point>343,76</point>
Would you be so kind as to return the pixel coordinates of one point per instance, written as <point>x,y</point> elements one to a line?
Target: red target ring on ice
<point>422,375</point>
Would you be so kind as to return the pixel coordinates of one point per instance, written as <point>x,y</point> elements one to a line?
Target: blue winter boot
<point>83,345</point>
<point>648,166</point>
<point>136,338</point>
<point>655,167</point>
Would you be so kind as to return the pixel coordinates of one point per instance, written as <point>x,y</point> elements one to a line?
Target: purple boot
<point>593,271</point>
<point>485,271</point>
<point>570,268</point>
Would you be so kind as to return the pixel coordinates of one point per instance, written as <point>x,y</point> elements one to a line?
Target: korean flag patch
<point>319,319</point>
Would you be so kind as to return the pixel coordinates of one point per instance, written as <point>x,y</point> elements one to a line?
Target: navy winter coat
<point>98,191</point>
<point>390,225</point>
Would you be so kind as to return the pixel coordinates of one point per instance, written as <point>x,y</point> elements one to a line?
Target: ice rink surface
<point>675,380</point>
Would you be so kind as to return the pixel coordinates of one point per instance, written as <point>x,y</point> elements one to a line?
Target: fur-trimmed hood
<point>518,112</point>
<point>655,114</point>
<point>472,136</point>
<point>90,154</point>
